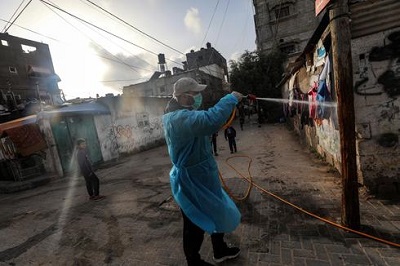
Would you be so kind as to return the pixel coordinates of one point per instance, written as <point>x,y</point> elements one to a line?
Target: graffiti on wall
<point>111,138</point>
<point>389,111</point>
<point>381,65</point>
<point>127,137</point>
<point>123,131</point>
<point>379,74</point>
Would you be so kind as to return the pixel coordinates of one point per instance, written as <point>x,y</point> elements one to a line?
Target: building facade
<point>208,60</point>
<point>284,24</point>
<point>27,77</point>
<point>207,66</point>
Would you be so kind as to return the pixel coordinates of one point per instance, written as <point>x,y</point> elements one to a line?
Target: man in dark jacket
<point>92,181</point>
<point>230,135</point>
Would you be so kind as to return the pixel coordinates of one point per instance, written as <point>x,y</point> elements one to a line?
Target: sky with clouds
<point>99,46</point>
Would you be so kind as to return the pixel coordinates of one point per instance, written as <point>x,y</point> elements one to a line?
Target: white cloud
<point>192,20</point>
<point>236,56</point>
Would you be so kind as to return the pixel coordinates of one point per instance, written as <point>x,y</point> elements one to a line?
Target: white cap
<point>187,84</point>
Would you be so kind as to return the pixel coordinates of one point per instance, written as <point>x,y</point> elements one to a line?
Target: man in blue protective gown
<point>195,184</point>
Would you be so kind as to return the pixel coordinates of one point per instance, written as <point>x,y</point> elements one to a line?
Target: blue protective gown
<point>194,177</point>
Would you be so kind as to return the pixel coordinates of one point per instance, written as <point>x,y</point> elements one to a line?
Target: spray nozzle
<point>251,97</point>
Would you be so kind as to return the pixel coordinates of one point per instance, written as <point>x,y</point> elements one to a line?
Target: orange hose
<point>230,120</point>
<point>251,183</point>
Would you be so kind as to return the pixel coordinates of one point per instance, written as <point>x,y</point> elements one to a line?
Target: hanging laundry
<point>312,95</point>
<point>322,97</point>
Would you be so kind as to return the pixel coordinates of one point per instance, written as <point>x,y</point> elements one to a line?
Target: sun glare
<point>81,71</point>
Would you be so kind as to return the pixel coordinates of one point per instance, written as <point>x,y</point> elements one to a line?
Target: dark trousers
<point>193,238</point>
<point>232,144</point>
<point>92,184</point>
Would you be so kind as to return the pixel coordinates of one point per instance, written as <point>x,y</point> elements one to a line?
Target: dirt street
<point>138,224</point>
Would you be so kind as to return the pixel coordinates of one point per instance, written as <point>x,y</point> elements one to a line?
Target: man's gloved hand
<point>238,95</point>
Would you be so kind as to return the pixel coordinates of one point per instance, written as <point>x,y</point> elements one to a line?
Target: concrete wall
<point>134,125</point>
<point>376,68</point>
<point>52,162</point>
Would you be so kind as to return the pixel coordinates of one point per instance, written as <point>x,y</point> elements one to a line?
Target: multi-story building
<point>26,75</point>
<point>207,66</point>
<point>209,61</point>
<point>284,24</point>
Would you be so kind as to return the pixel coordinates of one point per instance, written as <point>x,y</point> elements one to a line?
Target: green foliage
<point>259,74</point>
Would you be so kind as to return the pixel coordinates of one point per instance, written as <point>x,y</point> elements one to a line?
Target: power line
<point>56,40</point>
<point>209,24</point>
<point>5,26</point>
<point>18,16</point>
<point>142,32</point>
<point>97,27</point>
<point>219,32</point>
<point>223,20</point>
<point>93,41</point>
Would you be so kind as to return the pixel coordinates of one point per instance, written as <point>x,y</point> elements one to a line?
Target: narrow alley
<point>138,223</point>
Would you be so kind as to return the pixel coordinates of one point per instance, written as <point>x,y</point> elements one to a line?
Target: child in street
<point>85,166</point>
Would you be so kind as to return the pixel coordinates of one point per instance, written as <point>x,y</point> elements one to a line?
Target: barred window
<point>282,12</point>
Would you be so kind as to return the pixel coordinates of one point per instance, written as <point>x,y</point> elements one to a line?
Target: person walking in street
<point>230,136</point>
<point>195,184</point>
<point>241,121</point>
<point>214,143</point>
<point>85,166</point>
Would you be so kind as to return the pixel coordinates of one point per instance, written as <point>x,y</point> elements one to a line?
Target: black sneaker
<point>226,254</point>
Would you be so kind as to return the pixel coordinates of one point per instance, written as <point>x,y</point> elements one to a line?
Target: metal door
<point>66,131</point>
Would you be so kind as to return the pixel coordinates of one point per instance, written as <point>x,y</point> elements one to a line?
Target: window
<point>288,48</point>
<point>162,89</point>
<point>12,70</point>
<point>27,48</point>
<point>4,43</point>
<point>282,12</point>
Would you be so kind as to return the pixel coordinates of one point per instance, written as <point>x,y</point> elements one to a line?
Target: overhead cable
<point>209,24</point>
<point>5,26</point>
<point>97,27</point>
<point>142,32</point>
<point>94,42</point>
<point>17,16</point>
<point>56,40</point>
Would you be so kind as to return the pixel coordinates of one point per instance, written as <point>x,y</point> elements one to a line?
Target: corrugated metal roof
<point>370,17</point>
<point>90,108</point>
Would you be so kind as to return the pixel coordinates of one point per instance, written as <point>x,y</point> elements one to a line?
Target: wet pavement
<point>139,224</point>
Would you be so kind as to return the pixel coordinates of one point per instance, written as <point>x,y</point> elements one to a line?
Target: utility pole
<point>343,82</point>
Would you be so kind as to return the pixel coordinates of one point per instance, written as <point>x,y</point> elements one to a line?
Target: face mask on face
<point>198,99</point>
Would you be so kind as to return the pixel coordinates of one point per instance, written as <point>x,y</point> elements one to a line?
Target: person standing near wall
<point>195,184</point>
<point>85,166</point>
